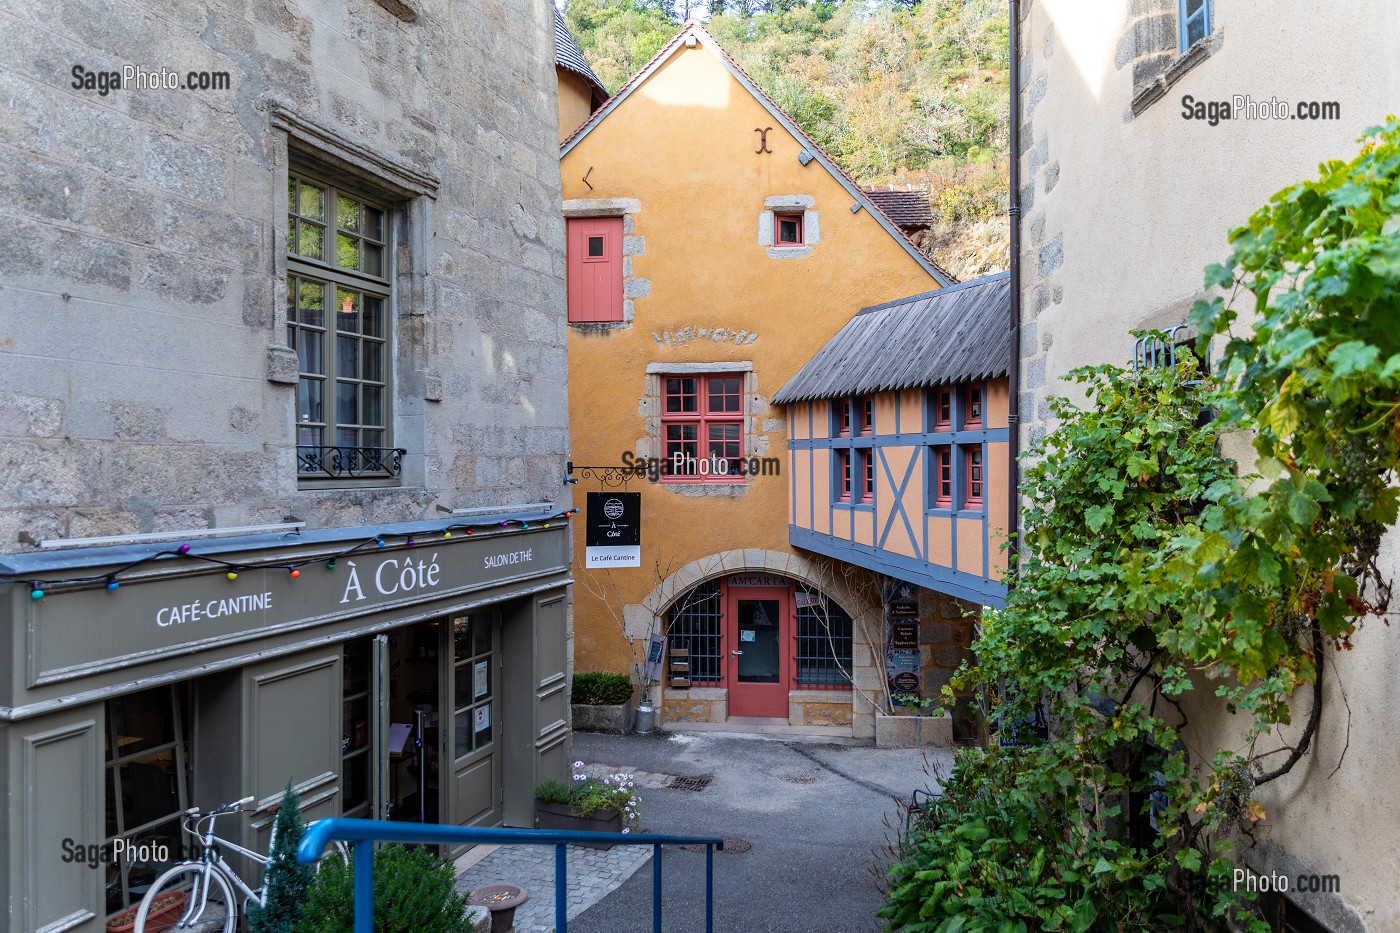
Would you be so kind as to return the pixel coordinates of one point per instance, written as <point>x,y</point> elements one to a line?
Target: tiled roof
<point>568,55</point>
<point>907,207</point>
<point>951,335</point>
<point>942,275</point>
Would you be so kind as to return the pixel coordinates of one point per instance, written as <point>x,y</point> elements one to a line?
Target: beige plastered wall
<point>1121,213</point>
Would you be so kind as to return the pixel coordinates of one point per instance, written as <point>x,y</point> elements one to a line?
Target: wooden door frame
<point>786,628</point>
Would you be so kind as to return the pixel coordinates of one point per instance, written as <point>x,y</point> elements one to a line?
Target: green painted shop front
<point>397,681</point>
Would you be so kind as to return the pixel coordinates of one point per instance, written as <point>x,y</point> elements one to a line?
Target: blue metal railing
<point>362,834</point>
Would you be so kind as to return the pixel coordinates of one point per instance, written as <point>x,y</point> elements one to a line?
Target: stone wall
<point>146,380</point>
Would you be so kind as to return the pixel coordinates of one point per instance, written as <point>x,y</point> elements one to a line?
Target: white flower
<point>626,829</point>
<point>578,764</point>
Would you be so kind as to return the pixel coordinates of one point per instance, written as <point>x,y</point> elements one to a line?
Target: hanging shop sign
<point>613,530</point>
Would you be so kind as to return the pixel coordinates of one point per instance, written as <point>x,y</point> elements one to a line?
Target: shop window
<point>823,642</point>
<point>941,478</point>
<point>338,322</point>
<point>695,622</point>
<point>787,230</point>
<point>972,406</point>
<point>595,270</point>
<point>146,785</point>
<point>702,423</point>
<point>972,477</point>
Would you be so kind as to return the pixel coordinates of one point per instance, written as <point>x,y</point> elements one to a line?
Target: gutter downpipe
<point>1013,511</point>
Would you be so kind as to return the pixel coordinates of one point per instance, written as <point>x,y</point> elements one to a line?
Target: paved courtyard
<point>815,815</point>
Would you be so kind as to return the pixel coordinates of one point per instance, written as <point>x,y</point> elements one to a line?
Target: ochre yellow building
<point>713,249</point>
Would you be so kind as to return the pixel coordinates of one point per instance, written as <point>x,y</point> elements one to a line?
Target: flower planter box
<point>897,731</point>
<point>156,921</point>
<point>563,816</point>
<point>614,720</point>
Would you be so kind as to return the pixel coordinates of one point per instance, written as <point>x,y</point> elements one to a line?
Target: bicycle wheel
<point>189,898</point>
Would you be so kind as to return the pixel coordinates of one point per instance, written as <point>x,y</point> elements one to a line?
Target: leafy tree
<point>287,879</point>
<point>414,892</point>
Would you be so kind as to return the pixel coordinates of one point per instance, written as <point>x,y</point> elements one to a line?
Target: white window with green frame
<point>339,323</point>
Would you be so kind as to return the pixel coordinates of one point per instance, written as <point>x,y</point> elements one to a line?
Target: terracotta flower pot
<point>162,918</point>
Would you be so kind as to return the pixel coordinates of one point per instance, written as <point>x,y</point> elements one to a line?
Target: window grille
<point>823,642</point>
<point>696,624</point>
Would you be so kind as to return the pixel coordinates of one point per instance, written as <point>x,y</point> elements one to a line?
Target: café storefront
<point>406,672</point>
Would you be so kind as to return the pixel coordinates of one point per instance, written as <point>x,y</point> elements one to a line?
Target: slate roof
<point>568,55</point>
<point>693,27</point>
<point>951,335</point>
<point>906,208</point>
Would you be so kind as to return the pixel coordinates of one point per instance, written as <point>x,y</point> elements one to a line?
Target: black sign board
<point>613,530</point>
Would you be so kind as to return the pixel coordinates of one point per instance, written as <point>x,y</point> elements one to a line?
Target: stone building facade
<point>1125,200</point>
<point>292,272</point>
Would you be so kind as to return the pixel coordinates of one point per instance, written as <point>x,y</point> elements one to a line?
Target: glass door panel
<point>759,627</point>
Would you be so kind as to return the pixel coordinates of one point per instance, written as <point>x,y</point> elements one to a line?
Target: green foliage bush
<point>601,688</point>
<point>287,879</point>
<point>414,892</point>
<point>553,790</point>
<point>1149,569</point>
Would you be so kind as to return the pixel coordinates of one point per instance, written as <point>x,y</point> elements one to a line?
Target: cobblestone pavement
<point>593,873</point>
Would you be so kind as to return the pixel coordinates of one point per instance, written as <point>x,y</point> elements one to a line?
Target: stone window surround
<point>649,406</point>
<point>305,144</point>
<point>789,204</point>
<point>1148,94</point>
<point>632,245</point>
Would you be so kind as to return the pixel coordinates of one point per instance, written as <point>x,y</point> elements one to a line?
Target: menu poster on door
<point>481,680</point>
<point>613,530</point>
<point>902,642</point>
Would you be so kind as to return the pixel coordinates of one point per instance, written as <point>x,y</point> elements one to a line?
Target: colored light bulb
<point>36,593</point>
<point>295,574</point>
<point>378,542</point>
<point>184,549</point>
<point>113,584</point>
<point>447,534</point>
<point>232,574</point>
<point>330,564</point>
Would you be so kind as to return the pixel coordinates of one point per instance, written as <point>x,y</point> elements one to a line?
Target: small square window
<point>595,246</point>
<point>787,229</point>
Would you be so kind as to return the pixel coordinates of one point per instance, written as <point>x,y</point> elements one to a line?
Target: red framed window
<point>972,473</point>
<point>941,405</point>
<point>843,475</point>
<point>702,428</point>
<point>867,414</point>
<point>942,480</point>
<point>787,230</point>
<point>972,405</point>
<point>841,418</point>
<point>867,486</point>
<point>595,270</point>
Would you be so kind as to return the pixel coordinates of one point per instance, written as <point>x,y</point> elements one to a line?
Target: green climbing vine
<point>1157,582</point>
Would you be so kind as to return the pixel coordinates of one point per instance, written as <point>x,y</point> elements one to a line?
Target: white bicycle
<point>198,895</point>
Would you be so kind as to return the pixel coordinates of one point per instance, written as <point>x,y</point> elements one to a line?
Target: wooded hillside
<point>898,92</point>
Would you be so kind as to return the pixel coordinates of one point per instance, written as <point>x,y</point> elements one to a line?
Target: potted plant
<point>597,805</point>
<point>603,702</point>
<point>913,721</point>
<point>164,913</point>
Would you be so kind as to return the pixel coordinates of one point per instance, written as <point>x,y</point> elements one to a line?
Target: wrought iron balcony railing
<point>349,462</point>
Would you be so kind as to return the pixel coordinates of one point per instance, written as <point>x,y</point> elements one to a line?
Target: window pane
<point>347,437</point>
<point>291,234</point>
<point>311,242</point>
<point>347,214</point>
<point>373,321</point>
<point>373,222</point>
<point>374,405</point>
<point>347,306</point>
<point>310,355</point>
<point>1193,5</point>
<point>312,203</point>
<point>309,402</point>
<point>373,261</point>
<point>371,438</point>
<point>111,798</point>
<point>462,732</point>
<point>347,251</point>
<point>595,247</point>
<point>310,437</point>
<point>371,358</point>
<point>481,638</point>
<point>143,720</point>
<point>291,302</point>
<point>483,736</point>
<point>347,360</point>
<point>789,230</point>
<point>347,403</point>
<point>148,788</point>
<point>681,395</point>
<point>311,301</point>
<point>1196,30</point>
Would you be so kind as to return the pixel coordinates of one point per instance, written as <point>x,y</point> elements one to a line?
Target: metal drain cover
<point>732,846</point>
<point>695,783</point>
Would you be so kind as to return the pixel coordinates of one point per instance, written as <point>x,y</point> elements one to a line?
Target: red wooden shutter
<point>595,269</point>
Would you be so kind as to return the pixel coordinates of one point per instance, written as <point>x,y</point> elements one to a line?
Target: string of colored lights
<point>112,578</point>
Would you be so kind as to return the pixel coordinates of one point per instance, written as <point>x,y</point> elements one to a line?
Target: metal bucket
<point>646,718</point>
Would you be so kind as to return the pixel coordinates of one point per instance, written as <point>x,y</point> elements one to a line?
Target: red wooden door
<point>595,269</point>
<point>760,650</point>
